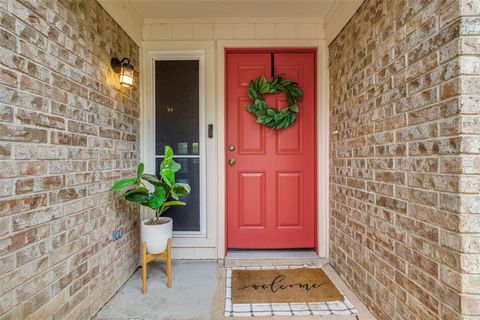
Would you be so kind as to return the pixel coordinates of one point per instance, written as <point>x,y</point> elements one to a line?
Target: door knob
<point>231,161</point>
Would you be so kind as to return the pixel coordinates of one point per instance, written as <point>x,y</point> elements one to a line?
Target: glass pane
<point>186,218</point>
<point>177,106</point>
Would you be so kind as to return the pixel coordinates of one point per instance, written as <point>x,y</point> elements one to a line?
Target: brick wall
<point>404,157</point>
<point>67,131</point>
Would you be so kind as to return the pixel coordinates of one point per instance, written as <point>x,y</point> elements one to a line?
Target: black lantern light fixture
<point>125,69</point>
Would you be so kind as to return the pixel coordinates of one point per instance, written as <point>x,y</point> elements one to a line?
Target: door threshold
<point>236,258</point>
<point>270,254</point>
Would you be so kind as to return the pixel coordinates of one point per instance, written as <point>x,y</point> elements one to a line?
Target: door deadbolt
<point>231,147</point>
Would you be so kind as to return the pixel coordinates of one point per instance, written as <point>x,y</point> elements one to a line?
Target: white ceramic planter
<point>156,236</point>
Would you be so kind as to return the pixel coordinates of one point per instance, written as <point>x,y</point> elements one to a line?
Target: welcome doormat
<point>283,290</point>
<point>283,286</point>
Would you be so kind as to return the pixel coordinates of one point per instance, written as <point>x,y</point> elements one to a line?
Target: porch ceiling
<point>232,8</point>
<point>132,14</point>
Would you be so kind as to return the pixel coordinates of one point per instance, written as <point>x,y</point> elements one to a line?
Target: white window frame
<point>198,55</point>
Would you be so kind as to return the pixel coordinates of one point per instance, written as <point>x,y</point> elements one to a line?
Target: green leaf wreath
<point>271,117</point>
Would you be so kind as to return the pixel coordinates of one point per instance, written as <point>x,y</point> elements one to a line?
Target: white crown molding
<point>149,21</point>
<point>127,17</point>
<point>338,17</point>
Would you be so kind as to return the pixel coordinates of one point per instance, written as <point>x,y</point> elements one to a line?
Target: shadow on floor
<point>194,285</point>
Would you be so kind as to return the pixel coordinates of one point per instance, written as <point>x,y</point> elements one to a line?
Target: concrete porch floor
<point>197,293</point>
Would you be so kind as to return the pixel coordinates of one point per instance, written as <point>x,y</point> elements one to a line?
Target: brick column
<point>404,133</point>
<point>67,131</point>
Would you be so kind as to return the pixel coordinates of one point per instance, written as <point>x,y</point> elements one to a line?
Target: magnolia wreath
<point>271,117</point>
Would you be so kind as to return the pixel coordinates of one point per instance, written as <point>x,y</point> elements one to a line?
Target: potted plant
<point>163,193</point>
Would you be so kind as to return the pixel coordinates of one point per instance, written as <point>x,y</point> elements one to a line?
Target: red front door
<point>271,186</point>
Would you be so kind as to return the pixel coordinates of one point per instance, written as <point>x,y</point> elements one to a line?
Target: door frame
<point>322,132</point>
<point>278,50</point>
<point>184,246</point>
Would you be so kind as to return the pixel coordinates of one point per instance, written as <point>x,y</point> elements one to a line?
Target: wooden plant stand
<point>147,257</point>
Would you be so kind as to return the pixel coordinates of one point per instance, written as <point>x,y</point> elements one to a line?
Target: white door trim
<point>204,242</point>
<point>322,131</point>
<point>196,55</point>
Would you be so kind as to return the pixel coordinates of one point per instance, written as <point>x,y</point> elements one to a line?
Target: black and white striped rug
<point>282,309</point>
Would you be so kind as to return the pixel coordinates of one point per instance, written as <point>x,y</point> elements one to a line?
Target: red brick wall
<point>67,131</point>
<point>404,157</point>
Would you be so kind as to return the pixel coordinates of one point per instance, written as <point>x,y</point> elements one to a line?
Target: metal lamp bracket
<point>117,63</point>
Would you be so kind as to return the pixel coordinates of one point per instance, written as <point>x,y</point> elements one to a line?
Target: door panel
<point>271,185</point>
<point>289,200</point>
<point>251,136</point>
<point>251,193</point>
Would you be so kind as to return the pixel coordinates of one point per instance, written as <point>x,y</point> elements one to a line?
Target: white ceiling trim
<point>234,20</point>
<point>339,15</point>
<point>332,8</point>
<point>126,16</point>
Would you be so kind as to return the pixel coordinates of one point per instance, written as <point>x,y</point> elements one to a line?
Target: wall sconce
<point>125,69</point>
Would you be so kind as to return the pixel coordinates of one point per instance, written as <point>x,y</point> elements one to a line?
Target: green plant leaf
<point>271,111</point>
<point>157,198</point>
<point>252,93</point>
<point>260,104</point>
<point>135,190</point>
<point>261,82</point>
<point>123,183</point>
<point>174,203</point>
<point>165,163</point>
<point>293,118</point>
<point>168,157</point>
<point>155,202</point>
<point>294,107</point>
<point>160,192</point>
<point>291,100</point>
<point>252,108</point>
<point>173,165</point>
<point>152,179</point>
<point>168,176</point>
<point>168,152</point>
<point>280,124</point>
<point>173,194</point>
<point>264,88</point>
<point>138,197</point>
<point>297,91</point>
<point>181,189</point>
<point>274,81</point>
<point>140,169</point>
